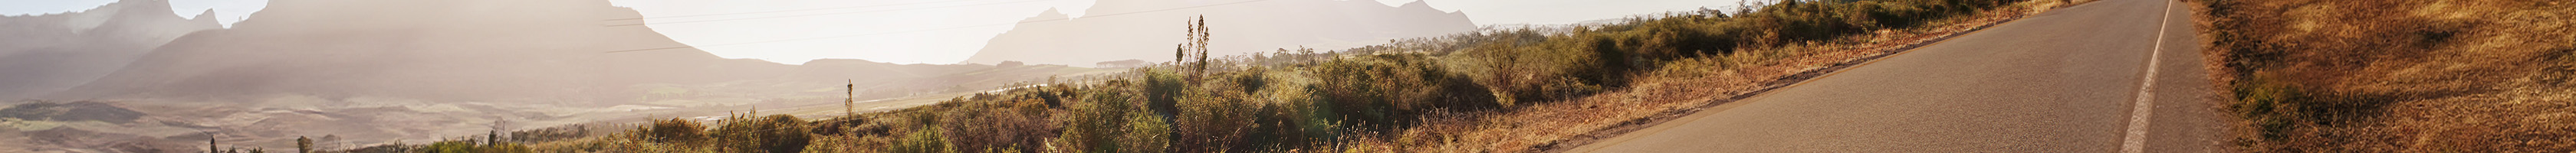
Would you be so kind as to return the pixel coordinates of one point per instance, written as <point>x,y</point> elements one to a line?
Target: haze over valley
<point>378,72</point>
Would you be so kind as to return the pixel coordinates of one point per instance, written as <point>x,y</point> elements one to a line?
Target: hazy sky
<point>902,31</point>
<point>24,7</point>
<point>228,10</point>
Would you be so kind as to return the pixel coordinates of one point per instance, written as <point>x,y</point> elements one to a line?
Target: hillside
<point>445,50</point>
<point>1252,26</point>
<point>1498,90</point>
<point>2396,76</point>
<point>53,52</point>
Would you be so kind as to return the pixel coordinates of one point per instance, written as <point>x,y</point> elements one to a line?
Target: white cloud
<point>226,11</point>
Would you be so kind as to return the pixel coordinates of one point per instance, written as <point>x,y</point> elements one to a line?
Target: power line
<point>798,10</point>
<point>950,28</point>
<point>835,13</point>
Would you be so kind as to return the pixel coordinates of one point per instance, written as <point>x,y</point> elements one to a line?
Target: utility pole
<point>494,137</point>
<point>210,142</point>
<point>849,105</point>
<point>303,145</point>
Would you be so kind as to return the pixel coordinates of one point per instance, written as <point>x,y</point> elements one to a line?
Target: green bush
<point>1381,91</point>
<point>1213,121</point>
<point>674,130</point>
<point>922,141</point>
<point>1544,70</point>
<point>1145,133</point>
<point>1163,89</point>
<point>771,134</point>
<point>1113,122</point>
<point>1010,123</point>
<point>470,147</point>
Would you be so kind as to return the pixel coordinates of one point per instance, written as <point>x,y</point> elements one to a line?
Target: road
<point>2071,80</point>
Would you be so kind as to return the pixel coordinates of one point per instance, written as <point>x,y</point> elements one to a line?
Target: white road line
<point>2136,141</point>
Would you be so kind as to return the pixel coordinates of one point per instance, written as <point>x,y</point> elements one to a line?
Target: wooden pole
<point>849,105</point>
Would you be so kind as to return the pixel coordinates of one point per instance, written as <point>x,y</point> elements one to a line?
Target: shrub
<point>1162,90</point>
<point>1110,122</point>
<point>1380,91</point>
<point>1145,133</point>
<point>674,130</point>
<point>470,147</point>
<point>773,134</point>
<point>1016,123</point>
<point>1213,121</point>
<point>1540,71</point>
<point>923,141</point>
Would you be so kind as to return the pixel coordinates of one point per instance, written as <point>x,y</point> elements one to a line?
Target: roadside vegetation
<point>1503,89</point>
<point>2396,75</point>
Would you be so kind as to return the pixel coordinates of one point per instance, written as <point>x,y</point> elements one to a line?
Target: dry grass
<point>2396,75</point>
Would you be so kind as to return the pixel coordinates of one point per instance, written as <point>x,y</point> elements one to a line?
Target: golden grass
<point>2396,76</point>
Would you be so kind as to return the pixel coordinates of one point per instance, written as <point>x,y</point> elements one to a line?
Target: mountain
<point>1148,29</point>
<point>424,49</point>
<point>378,71</point>
<point>839,70</point>
<point>53,52</point>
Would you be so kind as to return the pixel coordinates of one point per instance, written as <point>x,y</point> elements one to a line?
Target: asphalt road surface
<point>2072,80</point>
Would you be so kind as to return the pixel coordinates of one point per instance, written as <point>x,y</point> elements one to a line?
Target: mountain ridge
<point>52,52</point>
<point>444,50</point>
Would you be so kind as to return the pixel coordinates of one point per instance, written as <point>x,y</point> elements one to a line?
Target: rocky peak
<point>145,7</point>
<point>206,19</point>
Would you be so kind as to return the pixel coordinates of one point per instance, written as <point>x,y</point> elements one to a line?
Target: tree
<point>330,142</point>
<point>1179,52</point>
<point>494,136</point>
<point>1305,54</point>
<point>210,143</point>
<point>303,145</point>
<point>1008,64</point>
